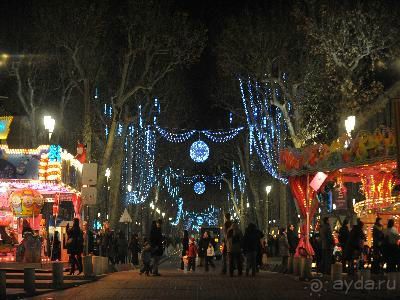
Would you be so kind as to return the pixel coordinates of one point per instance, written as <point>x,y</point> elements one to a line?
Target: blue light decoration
<point>107,111</point>
<point>138,165</point>
<point>205,178</point>
<point>199,187</point>
<point>217,136</point>
<point>55,153</point>
<point>267,128</point>
<point>195,220</point>
<point>199,151</point>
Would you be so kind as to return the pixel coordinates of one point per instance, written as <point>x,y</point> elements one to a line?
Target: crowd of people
<point>350,247</point>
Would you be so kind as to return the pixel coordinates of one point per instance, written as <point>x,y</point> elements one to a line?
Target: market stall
<point>367,161</point>
<point>34,184</point>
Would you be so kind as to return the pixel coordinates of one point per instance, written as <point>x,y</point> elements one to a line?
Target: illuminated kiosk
<point>368,160</point>
<point>35,187</point>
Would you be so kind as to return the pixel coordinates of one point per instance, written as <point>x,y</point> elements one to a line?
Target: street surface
<point>175,284</point>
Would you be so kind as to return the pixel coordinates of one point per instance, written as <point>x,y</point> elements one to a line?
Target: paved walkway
<point>174,284</point>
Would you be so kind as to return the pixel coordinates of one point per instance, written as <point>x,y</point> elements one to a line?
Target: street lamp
<point>108,175</point>
<point>349,124</point>
<point>129,188</point>
<point>163,214</point>
<point>268,190</point>
<point>49,124</point>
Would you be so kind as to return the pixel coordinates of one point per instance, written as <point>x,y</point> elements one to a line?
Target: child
<point>192,253</point>
<point>210,256</point>
<point>146,259</point>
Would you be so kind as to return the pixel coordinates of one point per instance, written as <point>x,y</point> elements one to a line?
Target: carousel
<point>39,195</point>
<point>366,163</point>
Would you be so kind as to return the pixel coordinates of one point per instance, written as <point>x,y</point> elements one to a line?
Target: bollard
<point>97,264</point>
<point>29,280</point>
<point>296,266</point>
<point>87,266</point>
<point>336,272</point>
<point>104,265</point>
<point>58,275</point>
<point>290,265</point>
<point>3,286</point>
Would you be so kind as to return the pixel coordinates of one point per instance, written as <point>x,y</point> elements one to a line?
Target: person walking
<point>191,254</point>
<point>156,242</point>
<point>327,246</point>
<point>251,244</point>
<point>134,248</point>
<point>378,238</point>
<point>392,249</point>
<point>88,240</point>
<point>56,247</point>
<point>355,245</point>
<point>185,247</point>
<point>210,255</point>
<point>343,237</point>
<point>203,245</point>
<point>284,249</point>
<point>122,246</point>
<point>234,242</point>
<point>75,246</point>
<point>227,225</point>
<point>146,258</point>
<point>293,239</point>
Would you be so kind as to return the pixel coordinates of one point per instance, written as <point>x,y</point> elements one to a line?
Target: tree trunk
<point>32,122</point>
<point>115,184</point>
<point>87,121</point>
<point>283,205</point>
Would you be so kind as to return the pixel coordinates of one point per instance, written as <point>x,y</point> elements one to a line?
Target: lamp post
<point>268,190</point>
<point>49,124</point>
<point>108,175</point>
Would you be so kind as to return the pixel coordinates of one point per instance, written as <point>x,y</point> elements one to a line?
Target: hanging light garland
<point>206,179</point>
<point>195,220</point>
<point>267,129</point>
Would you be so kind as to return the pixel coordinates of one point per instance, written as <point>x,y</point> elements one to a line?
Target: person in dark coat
<point>203,245</point>
<point>343,237</point>
<point>122,248</point>
<point>392,238</point>
<point>185,247</point>
<point>56,247</point>
<point>156,242</point>
<point>234,248</point>
<point>284,249</point>
<point>251,244</point>
<point>355,245</point>
<point>134,248</point>
<point>88,240</point>
<point>75,246</point>
<point>292,239</point>
<point>227,225</point>
<point>327,246</point>
<point>377,244</point>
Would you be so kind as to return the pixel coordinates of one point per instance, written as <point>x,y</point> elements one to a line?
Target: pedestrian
<point>203,245</point>
<point>392,249</point>
<point>378,238</point>
<point>75,246</point>
<point>327,246</point>
<point>260,249</point>
<point>156,242</point>
<point>210,256</point>
<point>354,246</point>
<point>251,242</point>
<point>146,258</point>
<point>234,242</point>
<point>56,247</point>
<point>227,225</point>
<point>185,247</point>
<point>105,240</point>
<point>343,237</point>
<point>134,248</point>
<point>122,248</point>
<point>191,254</point>
<point>293,239</point>
<point>284,249</point>
<point>88,240</point>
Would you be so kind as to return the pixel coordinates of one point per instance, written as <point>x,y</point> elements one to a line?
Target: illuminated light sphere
<point>199,151</point>
<point>199,187</point>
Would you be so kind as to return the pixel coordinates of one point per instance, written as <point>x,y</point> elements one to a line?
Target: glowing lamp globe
<point>199,151</point>
<point>26,202</point>
<point>199,187</point>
